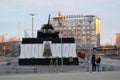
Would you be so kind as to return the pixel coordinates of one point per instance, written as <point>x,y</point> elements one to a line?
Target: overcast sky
<point>14,14</point>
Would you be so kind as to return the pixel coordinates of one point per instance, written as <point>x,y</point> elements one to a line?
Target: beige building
<point>85,29</point>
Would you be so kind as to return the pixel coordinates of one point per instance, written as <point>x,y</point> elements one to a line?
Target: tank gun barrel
<point>49,19</point>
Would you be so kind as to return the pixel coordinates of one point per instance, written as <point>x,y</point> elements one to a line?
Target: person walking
<point>93,63</point>
<point>98,61</point>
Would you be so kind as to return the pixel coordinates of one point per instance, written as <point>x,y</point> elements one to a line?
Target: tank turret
<point>47,26</point>
<point>47,31</point>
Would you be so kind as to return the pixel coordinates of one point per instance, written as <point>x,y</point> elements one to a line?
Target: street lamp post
<point>60,22</point>
<point>32,14</point>
<point>61,36</point>
<point>90,19</point>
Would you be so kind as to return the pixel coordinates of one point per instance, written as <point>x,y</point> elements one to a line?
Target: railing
<point>53,66</point>
<point>26,34</point>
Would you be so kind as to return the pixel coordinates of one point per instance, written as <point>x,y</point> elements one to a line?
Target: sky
<point>15,15</point>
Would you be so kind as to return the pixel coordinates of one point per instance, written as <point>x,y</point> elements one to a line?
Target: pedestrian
<point>98,61</point>
<point>93,63</point>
